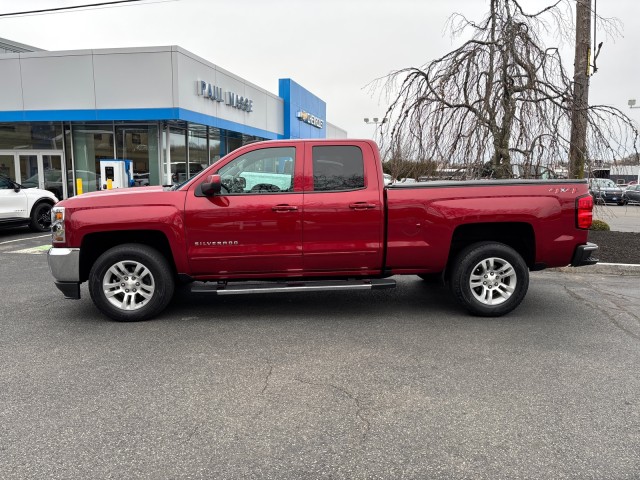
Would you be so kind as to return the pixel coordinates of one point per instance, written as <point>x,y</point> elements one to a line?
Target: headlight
<point>57,225</point>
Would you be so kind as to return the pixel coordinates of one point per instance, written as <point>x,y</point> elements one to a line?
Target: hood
<point>120,196</point>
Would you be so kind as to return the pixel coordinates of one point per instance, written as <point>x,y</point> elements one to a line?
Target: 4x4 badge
<point>562,190</point>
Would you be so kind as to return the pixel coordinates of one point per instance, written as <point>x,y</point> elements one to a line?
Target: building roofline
<point>18,47</point>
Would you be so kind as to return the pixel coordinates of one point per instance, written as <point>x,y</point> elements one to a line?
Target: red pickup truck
<point>303,215</point>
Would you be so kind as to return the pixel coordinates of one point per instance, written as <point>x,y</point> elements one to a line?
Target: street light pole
<point>375,121</point>
<point>632,104</point>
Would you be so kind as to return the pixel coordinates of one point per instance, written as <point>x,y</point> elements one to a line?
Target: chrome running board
<point>223,288</point>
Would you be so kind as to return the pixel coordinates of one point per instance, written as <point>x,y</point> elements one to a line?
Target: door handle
<point>362,206</point>
<point>284,208</point>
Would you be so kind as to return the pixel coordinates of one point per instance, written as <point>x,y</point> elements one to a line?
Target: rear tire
<point>41,218</point>
<point>489,279</point>
<point>131,282</point>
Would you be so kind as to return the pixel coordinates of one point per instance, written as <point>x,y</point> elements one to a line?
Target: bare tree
<point>502,98</point>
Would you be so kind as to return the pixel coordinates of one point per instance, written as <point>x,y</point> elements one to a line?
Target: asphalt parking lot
<point>384,384</point>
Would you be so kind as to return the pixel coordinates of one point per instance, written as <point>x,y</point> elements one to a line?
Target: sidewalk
<point>620,269</point>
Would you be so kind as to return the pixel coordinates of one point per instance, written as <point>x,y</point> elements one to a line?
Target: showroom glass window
<point>31,136</point>
<point>91,143</point>
<point>214,144</point>
<point>198,155</point>
<point>139,143</point>
<point>233,141</point>
<point>178,152</point>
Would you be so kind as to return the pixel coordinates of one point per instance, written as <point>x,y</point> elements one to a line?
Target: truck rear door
<point>343,209</point>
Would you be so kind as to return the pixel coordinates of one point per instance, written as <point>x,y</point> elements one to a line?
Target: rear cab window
<point>337,168</point>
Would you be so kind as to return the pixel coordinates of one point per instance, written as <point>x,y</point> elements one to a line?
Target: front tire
<point>131,282</point>
<point>490,279</point>
<point>41,218</point>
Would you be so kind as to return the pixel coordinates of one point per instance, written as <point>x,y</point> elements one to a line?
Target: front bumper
<point>64,264</point>
<point>586,254</point>
<point>610,197</point>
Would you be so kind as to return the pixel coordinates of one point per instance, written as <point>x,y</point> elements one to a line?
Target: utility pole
<point>580,104</point>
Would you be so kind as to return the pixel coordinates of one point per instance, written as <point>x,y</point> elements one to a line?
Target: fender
<point>143,208</point>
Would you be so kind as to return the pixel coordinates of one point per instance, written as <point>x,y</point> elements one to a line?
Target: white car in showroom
<point>25,206</point>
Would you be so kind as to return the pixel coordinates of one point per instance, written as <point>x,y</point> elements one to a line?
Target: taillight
<point>584,211</point>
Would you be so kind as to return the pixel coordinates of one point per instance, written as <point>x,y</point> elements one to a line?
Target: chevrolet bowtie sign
<point>306,117</point>
<point>216,94</point>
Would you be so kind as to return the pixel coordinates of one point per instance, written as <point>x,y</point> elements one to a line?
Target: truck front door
<point>254,226</point>
<point>343,210</point>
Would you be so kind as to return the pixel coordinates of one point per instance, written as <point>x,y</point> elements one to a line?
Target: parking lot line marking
<point>34,250</point>
<point>27,238</point>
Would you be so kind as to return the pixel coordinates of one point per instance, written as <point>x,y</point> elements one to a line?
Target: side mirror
<point>211,186</point>
<point>16,187</point>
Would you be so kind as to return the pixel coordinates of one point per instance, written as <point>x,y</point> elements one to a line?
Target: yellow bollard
<point>109,184</point>
<point>78,186</point>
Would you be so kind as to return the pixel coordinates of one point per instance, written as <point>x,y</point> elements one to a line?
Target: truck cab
<point>289,209</point>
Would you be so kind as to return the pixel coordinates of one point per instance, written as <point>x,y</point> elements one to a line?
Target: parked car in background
<point>25,206</point>
<point>141,179</point>
<point>53,181</point>
<point>604,190</point>
<point>388,179</point>
<point>632,194</point>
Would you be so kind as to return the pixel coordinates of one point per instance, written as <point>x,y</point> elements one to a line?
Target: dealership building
<point>166,111</point>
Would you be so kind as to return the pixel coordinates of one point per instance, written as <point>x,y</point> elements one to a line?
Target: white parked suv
<point>25,206</point>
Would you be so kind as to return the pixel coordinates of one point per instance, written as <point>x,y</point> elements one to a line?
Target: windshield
<point>603,183</point>
<point>179,185</point>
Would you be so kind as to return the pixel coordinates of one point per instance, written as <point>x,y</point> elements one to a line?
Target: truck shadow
<point>412,299</point>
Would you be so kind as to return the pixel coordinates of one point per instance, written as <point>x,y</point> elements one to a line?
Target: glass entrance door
<point>28,171</point>
<point>54,176</point>
<point>8,166</point>
<point>42,170</point>
<point>38,169</point>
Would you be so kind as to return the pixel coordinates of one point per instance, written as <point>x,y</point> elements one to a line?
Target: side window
<point>268,170</point>
<point>337,168</point>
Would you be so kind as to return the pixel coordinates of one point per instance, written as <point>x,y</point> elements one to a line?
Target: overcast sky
<point>334,48</point>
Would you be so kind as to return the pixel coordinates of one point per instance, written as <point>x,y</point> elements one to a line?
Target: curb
<point>627,269</point>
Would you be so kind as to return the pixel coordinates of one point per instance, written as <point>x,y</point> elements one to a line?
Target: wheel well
<point>95,244</point>
<point>40,202</point>
<point>519,236</point>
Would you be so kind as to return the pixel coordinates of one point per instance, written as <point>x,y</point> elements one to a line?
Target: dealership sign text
<point>216,94</point>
